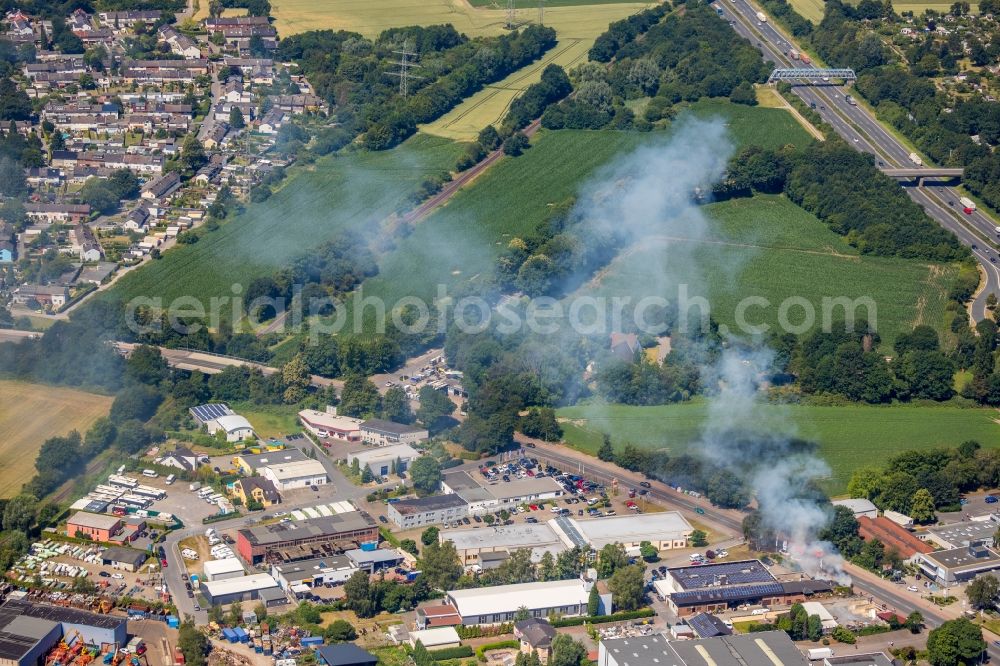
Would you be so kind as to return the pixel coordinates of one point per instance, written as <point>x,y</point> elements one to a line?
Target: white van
<point>150,473</point>
<point>170,479</point>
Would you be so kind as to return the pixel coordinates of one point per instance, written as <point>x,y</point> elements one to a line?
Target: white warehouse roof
<point>857,505</point>
<point>385,454</point>
<point>512,537</point>
<point>435,637</point>
<point>297,470</point>
<point>508,598</point>
<point>219,588</point>
<point>634,528</point>
<point>224,566</point>
<point>233,422</point>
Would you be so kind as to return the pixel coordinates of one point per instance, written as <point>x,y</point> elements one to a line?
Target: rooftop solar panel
<point>211,411</point>
<point>728,594</point>
<point>724,573</point>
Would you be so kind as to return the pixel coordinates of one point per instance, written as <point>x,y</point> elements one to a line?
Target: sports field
<point>460,241</point>
<point>353,191</point>
<point>768,247</point>
<point>31,414</point>
<point>849,437</point>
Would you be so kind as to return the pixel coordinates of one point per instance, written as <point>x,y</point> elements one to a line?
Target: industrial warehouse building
<point>716,588</point>
<point>858,506</point>
<point>254,463</point>
<point>306,539</point>
<point>218,416</point>
<point>29,630</point>
<point>243,588</point>
<point>665,530</point>
<point>500,603</point>
<point>126,559</point>
<point>473,543</point>
<point>958,565</point>
<point>388,433</point>
<point>429,510</point>
<point>770,648</point>
<point>299,474</point>
<point>224,569</point>
<point>491,498</point>
<point>386,460</point>
<point>310,573</point>
<point>329,425</point>
<point>99,527</point>
<point>959,535</point>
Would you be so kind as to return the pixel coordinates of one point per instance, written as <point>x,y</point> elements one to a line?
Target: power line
<point>511,15</point>
<point>404,70</point>
<point>541,12</point>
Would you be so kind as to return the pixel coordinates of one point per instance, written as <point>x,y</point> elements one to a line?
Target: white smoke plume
<point>649,194</point>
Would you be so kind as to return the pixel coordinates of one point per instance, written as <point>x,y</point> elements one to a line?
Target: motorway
<point>859,127</point>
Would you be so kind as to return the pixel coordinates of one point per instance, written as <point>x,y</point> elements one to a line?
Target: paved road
<point>859,127</point>
<point>11,335</point>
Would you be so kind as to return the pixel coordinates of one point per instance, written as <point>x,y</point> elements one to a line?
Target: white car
<point>913,588</point>
<point>118,576</point>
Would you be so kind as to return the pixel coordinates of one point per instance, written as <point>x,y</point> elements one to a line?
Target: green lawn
<point>768,247</point>
<point>351,191</point>
<point>848,437</point>
<point>270,420</point>
<point>460,241</point>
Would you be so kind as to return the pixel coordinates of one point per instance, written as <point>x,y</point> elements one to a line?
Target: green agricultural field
<point>461,240</point>
<point>848,437</point>
<point>769,247</point>
<point>352,191</point>
<point>810,9</point>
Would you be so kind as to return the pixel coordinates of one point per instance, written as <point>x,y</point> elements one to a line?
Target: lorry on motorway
<point>968,205</point>
<point>793,54</point>
<point>916,159</point>
<point>762,17</point>
<point>805,59</point>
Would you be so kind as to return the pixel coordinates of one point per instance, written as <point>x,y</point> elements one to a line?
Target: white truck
<point>968,205</point>
<point>815,654</point>
<point>762,17</point>
<point>916,159</point>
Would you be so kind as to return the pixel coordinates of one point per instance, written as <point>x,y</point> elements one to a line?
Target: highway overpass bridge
<point>918,175</point>
<point>812,75</point>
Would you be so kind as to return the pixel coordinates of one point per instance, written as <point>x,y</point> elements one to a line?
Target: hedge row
<point>458,652</point>
<point>602,619</point>
<point>499,645</point>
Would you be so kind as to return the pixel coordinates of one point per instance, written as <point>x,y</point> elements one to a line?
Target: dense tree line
<point>683,57</point>
<point>844,189</point>
<point>904,482</point>
<point>352,73</point>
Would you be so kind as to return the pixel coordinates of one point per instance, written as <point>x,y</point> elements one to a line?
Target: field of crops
<point>813,9</point>
<point>353,191</point>
<point>31,414</point>
<point>461,240</point>
<point>848,437</point>
<point>568,17</point>
<point>769,247</point>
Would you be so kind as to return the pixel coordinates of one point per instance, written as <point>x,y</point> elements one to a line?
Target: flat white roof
<point>233,422</point>
<point>436,636</point>
<point>217,588</point>
<point>633,528</point>
<point>330,421</point>
<point>518,535</point>
<point>524,487</point>
<point>857,505</point>
<point>297,469</point>
<point>223,566</point>
<point>383,453</point>
<point>508,598</point>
